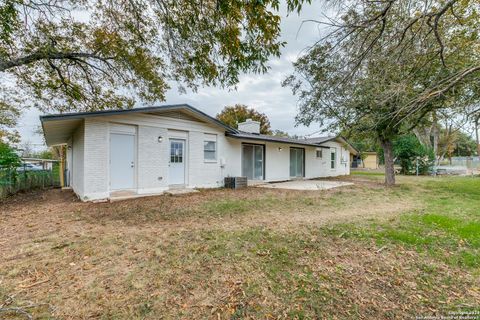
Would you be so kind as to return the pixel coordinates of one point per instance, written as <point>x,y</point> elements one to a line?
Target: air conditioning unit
<point>235,182</point>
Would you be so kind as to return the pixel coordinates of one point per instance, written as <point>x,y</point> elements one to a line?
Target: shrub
<point>8,158</point>
<point>408,150</point>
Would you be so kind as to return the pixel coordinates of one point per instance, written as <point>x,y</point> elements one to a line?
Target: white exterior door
<point>122,161</point>
<point>177,162</point>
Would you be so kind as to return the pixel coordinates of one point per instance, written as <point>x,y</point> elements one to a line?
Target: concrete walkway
<point>306,185</point>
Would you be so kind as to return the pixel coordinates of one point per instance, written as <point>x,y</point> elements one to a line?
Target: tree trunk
<point>436,133</point>
<point>388,155</point>
<point>476,136</point>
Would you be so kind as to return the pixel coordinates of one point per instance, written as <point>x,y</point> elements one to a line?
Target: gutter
<point>274,141</point>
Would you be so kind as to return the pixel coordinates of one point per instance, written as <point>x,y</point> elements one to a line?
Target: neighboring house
<point>370,160</point>
<point>41,164</point>
<point>153,149</point>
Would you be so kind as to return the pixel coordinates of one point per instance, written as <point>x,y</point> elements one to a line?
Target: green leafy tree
<point>386,65</point>
<point>363,143</point>
<point>408,151</point>
<point>464,146</point>
<point>44,154</point>
<point>280,133</point>
<point>8,158</point>
<point>233,115</point>
<point>476,128</point>
<point>88,55</point>
<point>8,120</point>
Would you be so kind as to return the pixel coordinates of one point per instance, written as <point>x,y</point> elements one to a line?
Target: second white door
<point>177,162</point>
<point>122,161</point>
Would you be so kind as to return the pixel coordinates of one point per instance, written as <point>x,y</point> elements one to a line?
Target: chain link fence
<point>460,165</point>
<point>20,179</point>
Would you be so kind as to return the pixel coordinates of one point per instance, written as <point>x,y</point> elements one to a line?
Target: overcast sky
<point>262,92</point>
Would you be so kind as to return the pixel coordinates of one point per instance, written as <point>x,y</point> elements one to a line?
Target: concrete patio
<point>306,185</point>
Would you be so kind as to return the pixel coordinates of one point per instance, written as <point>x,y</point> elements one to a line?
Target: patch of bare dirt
<point>147,257</point>
<point>43,213</point>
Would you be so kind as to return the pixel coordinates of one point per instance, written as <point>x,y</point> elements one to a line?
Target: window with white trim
<point>210,147</point>
<point>333,158</point>
<point>319,153</point>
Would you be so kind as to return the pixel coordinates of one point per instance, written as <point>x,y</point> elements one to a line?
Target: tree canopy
<point>281,133</point>
<point>233,115</point>
<point>65,55</point>
<point>385,66</point>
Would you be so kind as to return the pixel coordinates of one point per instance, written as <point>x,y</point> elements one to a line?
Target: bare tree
<point>384,66</point>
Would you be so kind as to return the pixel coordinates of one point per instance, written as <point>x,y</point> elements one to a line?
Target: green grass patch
<point>454,186</point>
<point>447,229</point>
<point>366,173</point>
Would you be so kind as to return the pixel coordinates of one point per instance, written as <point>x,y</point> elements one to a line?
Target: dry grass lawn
<point>362,252</point>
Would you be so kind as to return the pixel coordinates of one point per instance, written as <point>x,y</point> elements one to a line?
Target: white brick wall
<point>91,148</point>
<point>77,164</point>
<point>152,166</point>
<point>203,173</point>
<point>278,162</point>
<point>152,157</point>
<point>340,168</point>
<point>231,151</point>
<point>96,158</point>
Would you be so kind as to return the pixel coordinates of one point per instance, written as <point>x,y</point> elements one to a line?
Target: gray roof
<point>314,142</point>
<point>320,139</point>
<point>57,124</point>
<point>58,128</point>
<point>264,137</point>
<point>170,107</point>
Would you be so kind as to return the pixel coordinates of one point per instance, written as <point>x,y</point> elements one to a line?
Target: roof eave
<point>274,141</point>
<point>83,115</point>
<point>349,144</point>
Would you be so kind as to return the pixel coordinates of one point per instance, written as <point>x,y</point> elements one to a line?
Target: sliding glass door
<point>252,161</point>
<point>297,156</point>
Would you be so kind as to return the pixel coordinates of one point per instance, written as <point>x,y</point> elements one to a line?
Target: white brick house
<point>153,149</point>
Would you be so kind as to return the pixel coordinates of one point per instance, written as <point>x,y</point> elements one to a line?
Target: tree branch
<point>47,55</point>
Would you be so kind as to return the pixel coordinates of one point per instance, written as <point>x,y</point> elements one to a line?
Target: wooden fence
<point>13,181</point>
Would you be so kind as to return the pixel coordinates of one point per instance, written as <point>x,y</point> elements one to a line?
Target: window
<point>210,147</point>
<point>319,153</point>
<point>176,151</point>
<point>333,157</point>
